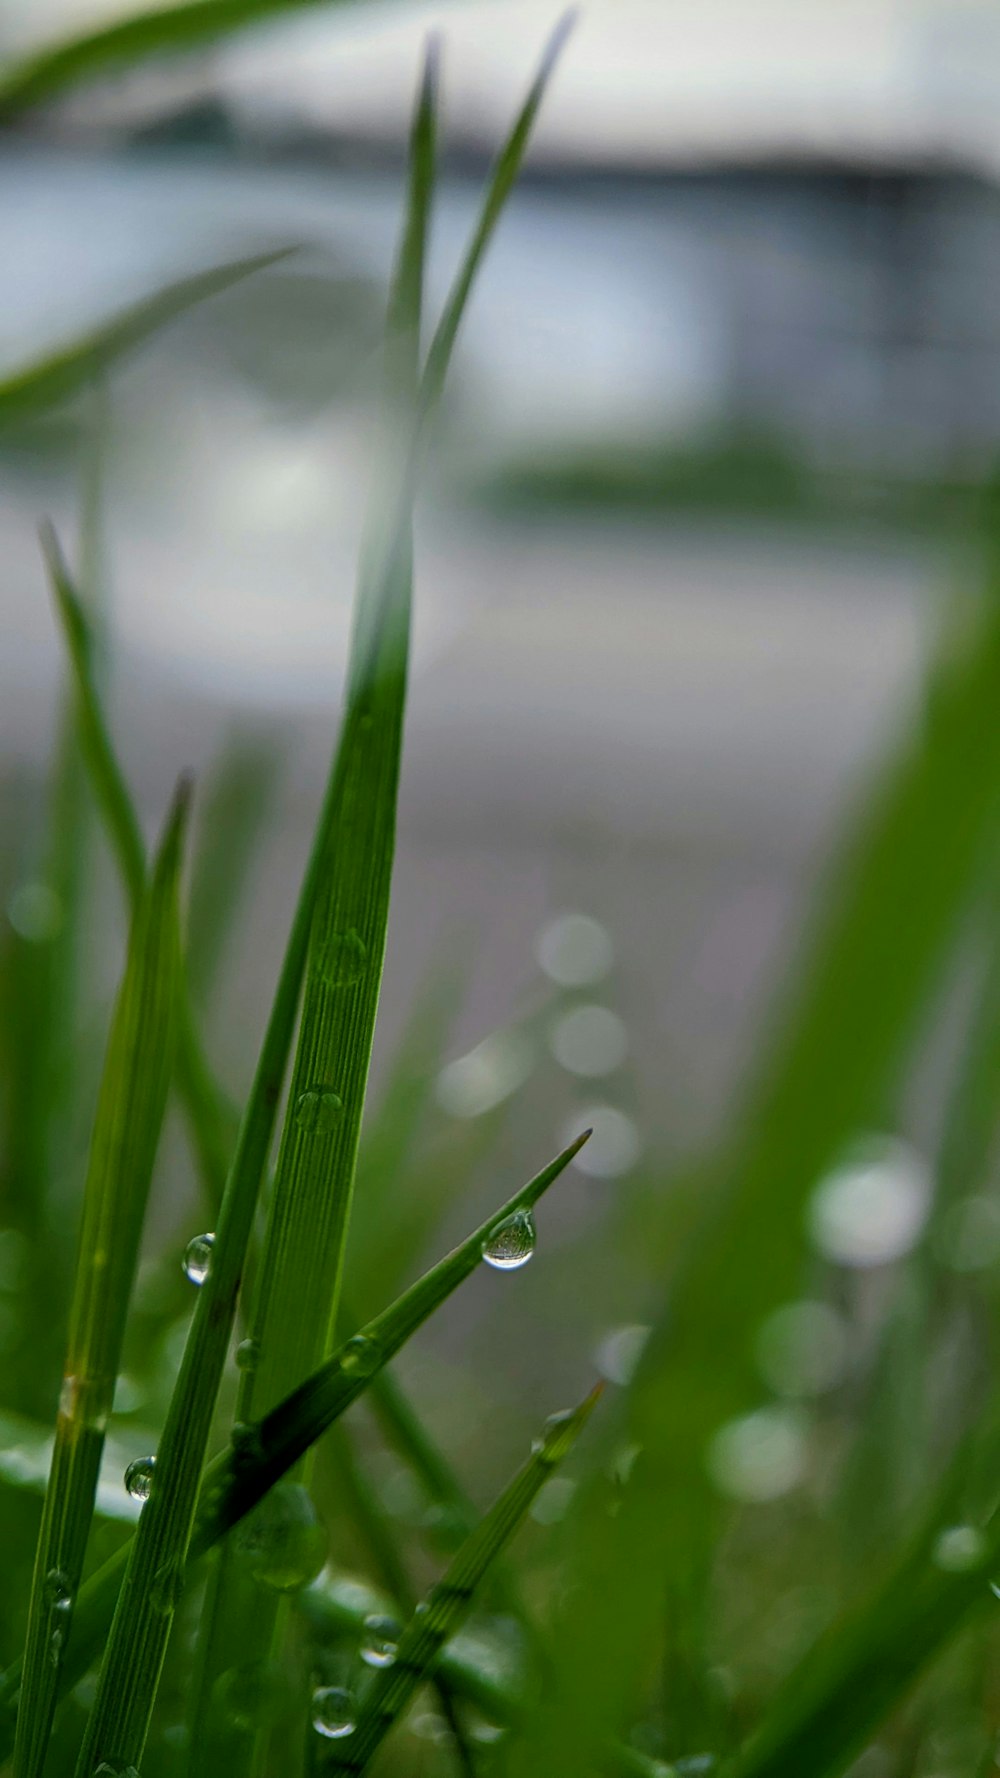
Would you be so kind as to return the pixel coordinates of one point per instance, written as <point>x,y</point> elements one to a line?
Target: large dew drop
<point>317,1111</point>
<point>139,1477</point>
<point>282,1540</point>
<point>57,1591</point>
<point>379,1640</point>
<point>333,1711</point>
<point>198,1258</point>
<point>511,1243</point>
<point>248,1355</point>
<point>343,959</point>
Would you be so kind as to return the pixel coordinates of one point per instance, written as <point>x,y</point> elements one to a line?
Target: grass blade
<point>293,1313</point>
<point>450,1601</point>
<point>64,373</point>
<point>127,41</point>
<point>210,1117</point>
<point>126,1135</point>
<point>233,1485</point>
<point>898,899</point>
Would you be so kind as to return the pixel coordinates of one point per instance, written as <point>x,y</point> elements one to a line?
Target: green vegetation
<point>772,1550</point>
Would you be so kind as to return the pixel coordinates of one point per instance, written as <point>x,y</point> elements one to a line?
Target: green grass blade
<point>126,1134</point>
<point>125,42</point>
<point>449,1602</point>
<point>886,932</point>
<point>210,1118</point>
<point>232,1486</point>
<point>64,373</point>
<point>293,1312</point>
<point>501,183</point>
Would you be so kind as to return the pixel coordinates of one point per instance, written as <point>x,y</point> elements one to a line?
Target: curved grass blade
<point>231,1487</point>
<point>128,41</point>
<point>892,913</point>
<point>449,1602</point>
<point>64,373</point>
<point>211,1119</point>
<point>129,1115</point>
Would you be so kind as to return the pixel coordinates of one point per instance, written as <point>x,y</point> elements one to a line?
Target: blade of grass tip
<point>500,185</point>
<point>210,1116</point>
<point>890,918</point>
<point>448,1603</point>
<point>236,1480</point>
<point>294,1304</point>
<point>296,1287</point>
<point>127,42</point>
<point>129,1115</point>
<point>64,373</point>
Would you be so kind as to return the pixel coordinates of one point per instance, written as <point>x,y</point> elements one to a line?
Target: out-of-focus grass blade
<point>861,1670</point>
<point>124,42</point>
<point>233,810</point>
<point>888,926</point>
<point>63,373</point>
<point>210,1117</point>
<point>126,1134</point>
<point>233,1484</point>
<point>449,1602</point>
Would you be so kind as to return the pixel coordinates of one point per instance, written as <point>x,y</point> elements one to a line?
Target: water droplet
<point>553,1503</point>
<point>870,1210</point>
<point>620,1351</point>
<point>549,1446</point>
<point>56,1642</point>
<point>759,1457</point>
<point>167,1586</point>
<point>139,1477</point>
<point>283,1540</point>
<point>198,1258</point>
<point>511,1243</point>
<point>487,1075</point>
<point>959,1548</point>
<point>36,913</point>
<point>589,1041</point>
<point>248,1355</point>
<point>317,1110</point>
<point>361,1356</point>
<point>112,1769</point>
<point>253,1696</point>
<point>246,1442</point>
<point>343,959</point>
<point>57,1590</point>
<point>333,1711</point>
<point>379,1640</point>
<point>574,949</point>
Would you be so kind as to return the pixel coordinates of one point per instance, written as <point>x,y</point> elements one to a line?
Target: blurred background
<point>706,483</point>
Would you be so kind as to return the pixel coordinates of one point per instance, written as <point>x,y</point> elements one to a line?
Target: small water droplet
<point>246,1442</point>
<point>283,1539</point>
<point>112,1769</point>
<point>57,1590</point>
<point>333,1711</point>
<point>139,1477</point>
<point>343,959</point>
<point>317,1110</point>
<point>36,913</point>
<point>549,1445</point>
<point>511,1243</point>
<point>248,1355</point>
<point>959,1548</point>
<point>360,1357</point>
<point>379,1640</point>
<point>56,1642</point>
<point>198,1258</point>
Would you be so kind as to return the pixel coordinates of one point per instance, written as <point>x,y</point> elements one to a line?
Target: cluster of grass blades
<point>215,1637</point>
